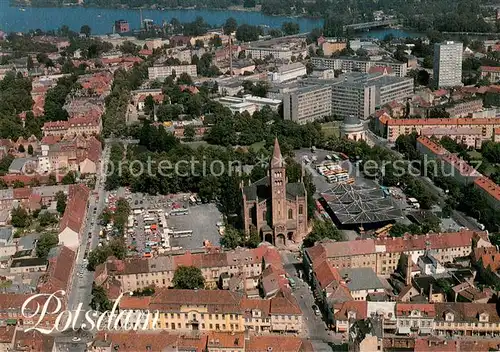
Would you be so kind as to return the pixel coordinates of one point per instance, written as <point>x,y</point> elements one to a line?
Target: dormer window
<point>351,314</point>
<point>484,317</point>
<point>449,317</point>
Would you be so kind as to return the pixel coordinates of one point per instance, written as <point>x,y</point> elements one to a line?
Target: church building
<point>275,207</point>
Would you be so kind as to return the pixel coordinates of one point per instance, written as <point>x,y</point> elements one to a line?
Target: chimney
<point>409,265</point>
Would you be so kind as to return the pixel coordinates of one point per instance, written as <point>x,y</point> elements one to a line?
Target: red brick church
<point>275,207</point>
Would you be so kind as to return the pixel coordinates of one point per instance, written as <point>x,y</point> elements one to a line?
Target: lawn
<point>331,128</point>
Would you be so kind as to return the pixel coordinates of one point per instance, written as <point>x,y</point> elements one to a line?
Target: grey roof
<point>28,242</point>
<point>50,191</point>
<point>358,279</point>
<point>18,163</point>
<point>18,263</point>
<point>360,204</point>
<point>5,234</point>
<point>261,190</point>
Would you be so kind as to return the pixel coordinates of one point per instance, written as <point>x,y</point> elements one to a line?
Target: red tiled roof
<point>444,121</point>
<point>285,303</point>
<point>33,341</point>
<point>74,215</point>
<point>435,345</point>
<point>326,274</point>
<point>359,307</point>
<point>380,69</point>
<point>274,343</point>
<point>59,272</point>
<point>496,131</point>
<point>7,334</point>
<point>440,93</point>
<point>135,303</point>
<point>434,241</point>
<point>490,69</point>
<point>225,340</point>
<point>264,305</point>
<point>488,186</point>
<point>407,308</point>
<point>431,145</point>
<point>49,140</point>
<point>133,341</point>
<point>22,193</point>
<point>146,52</point>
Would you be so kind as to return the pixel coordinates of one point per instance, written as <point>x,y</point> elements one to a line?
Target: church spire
<point>277,158</point>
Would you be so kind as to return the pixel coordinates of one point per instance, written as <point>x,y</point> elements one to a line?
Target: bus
<point>331,179</point>
<point>342,177</point>
<point>180,211</point>
<point>383,230</point>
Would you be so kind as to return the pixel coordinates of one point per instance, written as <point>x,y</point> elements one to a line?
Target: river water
<point>101,20</point>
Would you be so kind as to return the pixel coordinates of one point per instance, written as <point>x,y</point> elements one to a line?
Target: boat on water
<point>99,16</point>
<point>22,9</point>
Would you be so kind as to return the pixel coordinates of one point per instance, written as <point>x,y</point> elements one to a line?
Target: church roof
<point>277,159</point>
<point>261,190</point>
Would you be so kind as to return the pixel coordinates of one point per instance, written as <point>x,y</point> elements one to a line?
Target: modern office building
<point>163,72</point>
<point>358,94</point>
<point>347,64</point>
<point>308,104</point>
<point>448,64</point>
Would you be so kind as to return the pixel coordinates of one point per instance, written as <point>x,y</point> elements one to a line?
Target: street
<point>315,328</point>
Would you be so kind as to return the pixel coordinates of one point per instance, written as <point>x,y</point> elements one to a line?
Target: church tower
<point>278,188</point>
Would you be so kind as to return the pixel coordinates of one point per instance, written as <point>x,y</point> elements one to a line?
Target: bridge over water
<point>374,24</point>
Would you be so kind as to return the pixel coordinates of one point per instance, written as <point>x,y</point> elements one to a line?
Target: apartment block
<point>492,73</point>
<point>346,64</point>
<point>490,190</point>
<point>162,72</point>
<point>382,255</point>
<point>358,94</point>
<point>220,311</point>
<point>76,126</point>
<point>397,127</point>
<point>138,273</point>
<point>288,72</point>
<point>307,104</point>
<point>448,64</point>
<point>263,52</point>
<point>465,108</point>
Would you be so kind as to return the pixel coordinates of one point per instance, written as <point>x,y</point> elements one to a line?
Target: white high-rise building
<point>448,64</point>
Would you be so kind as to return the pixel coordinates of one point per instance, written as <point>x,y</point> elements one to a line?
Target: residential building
<point>347,64</point>
<point>397,127</point>
<point>465,108</point>
<point>138,273</point>
<point>162,72</point>
<point>274,206</point>
<point>490,190</point>
<point>417,318</point>
<point>28,265</point>
<point>307,104</point>
<point>219,311</point>
<point>361,282</point>
<point>263,52</point>
<point>288,72</point>
<point>471,137</point>
<point>466,319</point>
<point>358,94</point>
<point>332,46</point>
<point>448,64</point>
<point>73,220</point>
<point>492,73</point>
<point>76,126</point>
<point>382,254</point>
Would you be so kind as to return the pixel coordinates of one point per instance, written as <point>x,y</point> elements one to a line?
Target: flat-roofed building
<point>263,52</point>
<point>308,104</point>
<point>162,72</point>
<point>448,64</point>
<point>288,72</point>
<point>347,64</point>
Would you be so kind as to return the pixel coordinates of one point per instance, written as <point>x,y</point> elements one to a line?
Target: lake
<point>102,20</point>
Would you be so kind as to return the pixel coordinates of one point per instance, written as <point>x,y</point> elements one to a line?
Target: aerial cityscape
<point>249,175</point>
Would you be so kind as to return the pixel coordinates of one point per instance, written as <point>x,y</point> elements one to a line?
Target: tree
<point>106,216</point>
<point>18,184</point>
<point>60,202</point>
<point>188,278</point>
<point>30,149</point>
<point>290,28</point>
<point>248,33</point>
<point>185,78</point>
<point>230,26</point>
<point>19,217</point>
<point>232,238</point>
<point>52,180</point>
<point>253,239</point>
<point>249,3</point>
<point>149,105</point>
<point>29,63</point>
<point>322,230</point>
<point>189,133</point>
<point>85,29</point>
<point>100,301</point>
<point>46,219</point>
<point>129,48</point>
<point>69,178</point>
<point>45,243</point>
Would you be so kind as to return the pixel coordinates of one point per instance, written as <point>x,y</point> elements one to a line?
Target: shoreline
<point>231,8</point>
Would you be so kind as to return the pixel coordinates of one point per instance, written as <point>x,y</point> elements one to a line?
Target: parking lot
<point>170,222</point>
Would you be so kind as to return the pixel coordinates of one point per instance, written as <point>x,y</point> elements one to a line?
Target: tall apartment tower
<point>448,64</point>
